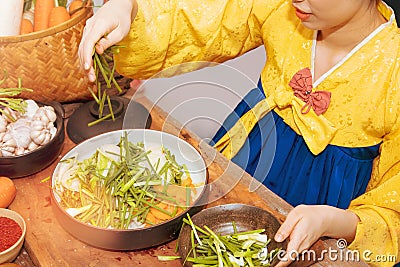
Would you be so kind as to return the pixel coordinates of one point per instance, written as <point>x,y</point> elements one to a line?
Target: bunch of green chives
<point>101,65</point>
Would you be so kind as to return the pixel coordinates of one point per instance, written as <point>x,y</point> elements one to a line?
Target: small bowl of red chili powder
<point>12,234</point>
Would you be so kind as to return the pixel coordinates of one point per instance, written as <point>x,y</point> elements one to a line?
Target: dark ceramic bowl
<point>38,159</point>
<point>132,239</point>
<point>219,219</point>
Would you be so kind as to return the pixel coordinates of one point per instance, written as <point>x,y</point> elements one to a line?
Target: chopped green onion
<point>119,185</point>
<point>8,101</point>
<point>45,179</point>
<point>101,66</point>
<point>238,249</point>
<point>167,258</point>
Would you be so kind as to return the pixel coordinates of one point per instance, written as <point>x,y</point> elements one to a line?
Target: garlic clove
<point>50,113</point>
<point>37,137</point>
<point>6,153</point>
<point>8,140</point>
<point>47,138</point>
<point>6,148</point>
<point>38,125</point>
<point>53,131</point>
<point>31,108</point>
<point>39,114</point>
<point>32,146</point>
<point>49,125</point>
<point>7,136</point>
<point>19,151</point>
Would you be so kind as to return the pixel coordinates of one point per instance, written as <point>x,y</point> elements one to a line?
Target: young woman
<point>327,104</point>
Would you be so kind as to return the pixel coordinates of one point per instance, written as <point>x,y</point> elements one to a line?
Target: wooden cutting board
<point>48,244</point>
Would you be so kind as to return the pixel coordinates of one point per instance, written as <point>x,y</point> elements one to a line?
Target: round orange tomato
<point>7,191</point>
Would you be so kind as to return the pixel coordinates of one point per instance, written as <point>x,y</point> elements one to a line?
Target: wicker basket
<point>47,61</point>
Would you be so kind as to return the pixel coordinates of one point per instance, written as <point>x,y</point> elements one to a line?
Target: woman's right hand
<point>109,25</point>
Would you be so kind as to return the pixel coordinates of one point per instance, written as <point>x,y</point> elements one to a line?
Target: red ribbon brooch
<point>301,83</point>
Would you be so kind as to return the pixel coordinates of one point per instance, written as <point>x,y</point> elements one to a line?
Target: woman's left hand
<point>305,224</point>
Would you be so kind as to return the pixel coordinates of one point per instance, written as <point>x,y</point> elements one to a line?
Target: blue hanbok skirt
<point>279,158</point>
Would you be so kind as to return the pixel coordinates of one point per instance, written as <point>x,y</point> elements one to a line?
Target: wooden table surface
<point>48,244</point>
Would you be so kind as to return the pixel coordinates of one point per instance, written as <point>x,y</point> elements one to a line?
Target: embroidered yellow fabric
<point>365,101</point>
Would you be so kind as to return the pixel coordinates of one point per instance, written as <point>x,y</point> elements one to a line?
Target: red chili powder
<point>10,232</point>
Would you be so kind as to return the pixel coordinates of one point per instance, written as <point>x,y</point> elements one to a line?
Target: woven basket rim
<point>50,31</point>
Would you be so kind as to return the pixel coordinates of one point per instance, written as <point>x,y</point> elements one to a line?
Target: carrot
<point>7,191</point>
<point>187,182</point>
<point>158,214</point>
<point>151,219</point>
<point>58,15</point>
<point>26,26</point>
<point>75,5</point>
<point>42,14</point>
<point>179,211</point>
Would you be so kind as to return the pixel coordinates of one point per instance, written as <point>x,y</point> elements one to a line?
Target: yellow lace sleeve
<point>168,33</point>
<point>378,233</point>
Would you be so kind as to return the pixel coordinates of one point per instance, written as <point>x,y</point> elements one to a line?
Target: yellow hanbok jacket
<point>365,88</point>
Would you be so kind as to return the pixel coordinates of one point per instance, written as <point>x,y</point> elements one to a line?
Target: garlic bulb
<point>8,145</point>
<point>20,131</point>
<point>40,137</point>
<point>40,133</point>
<point>22,136</point>
<point>45,114</point>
